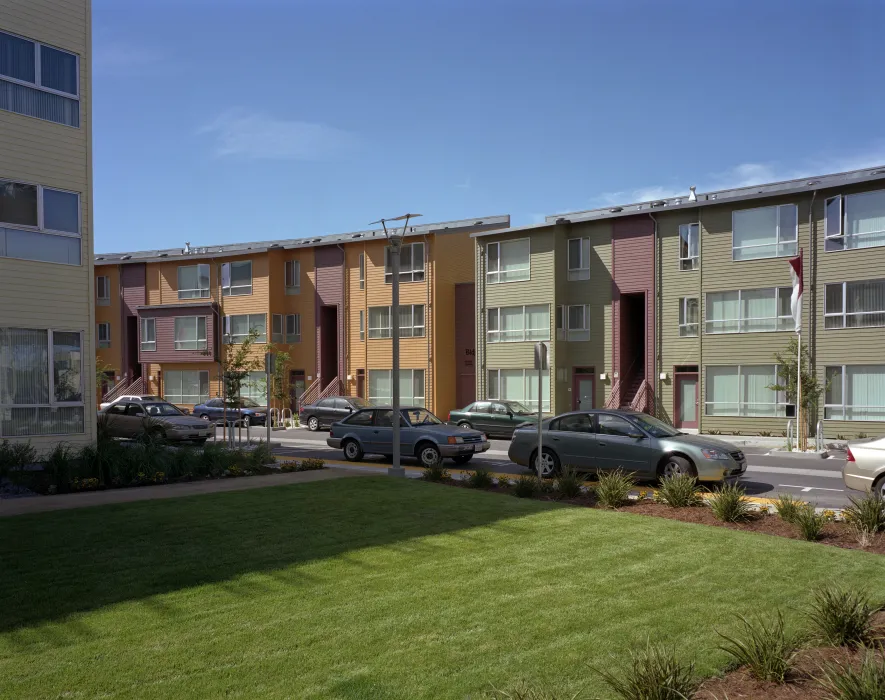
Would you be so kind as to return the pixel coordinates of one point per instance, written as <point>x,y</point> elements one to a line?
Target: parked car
<point>495,418</point>
<point>326,411</point>
<point>628,440</point>
<point>160,419</point>
<point>864,469</point>
<point>136,398</point>
<point>422,435</point>
<point>237,409</point>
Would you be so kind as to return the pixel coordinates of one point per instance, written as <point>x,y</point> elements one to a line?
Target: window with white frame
<point>855,304</point>
<point>186,386</point>
<point>379,322</point>
<point>193,281</point>
<point>236,278</point>
<point>254,387</point>
<point>767,232</point>
<point>749,311</point>
<point>855,392</point>
<point>855,221</point>
<point>102,291</point>
<point>578,259</point>
<point>190,332</point>
<point>39,81</point>
<point>293,277</point>
<point>411,387</point>
<point>519,385</point>
<point>688,317</point>
<point>148,334</point>
<point>573,322</point>
<point>508,261</point>
<point>277,328</point>
<point>39,223</point>
<point>743,390</point>
<point>411,263</point>
<point>362,325</point>
<point>514,324</point>
<point>362,263</point>
<point>411,321</point>
<point>238,327</point>
<point>293,328</point>
<point>41,382</point>
<point>689,235</point>
<point>104,334</point>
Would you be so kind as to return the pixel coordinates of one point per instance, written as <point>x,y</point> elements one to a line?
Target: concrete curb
<point>795,454</point>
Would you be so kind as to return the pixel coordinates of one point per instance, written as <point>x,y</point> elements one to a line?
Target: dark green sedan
<point>498,418</point>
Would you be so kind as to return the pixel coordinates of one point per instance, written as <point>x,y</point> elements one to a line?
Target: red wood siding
<point>329,262</point>
<point>165,321</point>
<point>132,295</point>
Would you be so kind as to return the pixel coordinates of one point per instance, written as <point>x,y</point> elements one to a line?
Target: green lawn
<point>372,588</point>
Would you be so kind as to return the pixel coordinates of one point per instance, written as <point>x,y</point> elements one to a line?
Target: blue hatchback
<point>237,409</point>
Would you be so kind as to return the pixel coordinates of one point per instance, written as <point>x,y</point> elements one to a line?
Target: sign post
<point>541,366</point>
<point>270,366</point>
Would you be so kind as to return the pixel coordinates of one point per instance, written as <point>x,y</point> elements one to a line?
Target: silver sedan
<point>864,469</point>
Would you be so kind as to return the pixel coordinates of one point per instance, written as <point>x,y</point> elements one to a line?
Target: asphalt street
<point>811,478</point>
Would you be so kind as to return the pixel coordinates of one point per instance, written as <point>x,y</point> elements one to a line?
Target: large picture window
<point>578,259</point>
<point>855,221</point>
<point>186,386</point>
<point>41,382</point>
<point>411,321</point>
<point>254,387</point>
<point>236,278</point>
<point>411,263</point>
<point>39,223</point>
<point>689,234</point>
<point>768,232</point>
<point>749,311</point>
<point>238,327</point>
<point>508,261</point>
<point>855,392</point>
<point>855,304</point>
<point>743,390</point>
<point>519,385</point>
<point>411,387</point>
<point>514,324</point>
<point>190,333</point>
<point>193,281</point>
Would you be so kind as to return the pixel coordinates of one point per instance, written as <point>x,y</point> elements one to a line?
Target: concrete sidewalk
<point>43,504</point>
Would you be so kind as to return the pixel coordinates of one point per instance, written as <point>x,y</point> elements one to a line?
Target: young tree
<point>101,374</point>
<point>279,389</point>
<point>239,361</point>
<point>788,373</point>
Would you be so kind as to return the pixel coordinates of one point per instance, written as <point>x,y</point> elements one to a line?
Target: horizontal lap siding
<point>165,333</point>
<point>302,356</point>
<point>112,356</point>
<point>158,384</point>
<point>356,302</point>
<point>329,262</point>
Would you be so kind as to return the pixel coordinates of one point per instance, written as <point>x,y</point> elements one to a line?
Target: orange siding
<point>110,314</point>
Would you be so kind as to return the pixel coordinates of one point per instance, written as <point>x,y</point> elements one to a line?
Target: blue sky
<point>232,120</point>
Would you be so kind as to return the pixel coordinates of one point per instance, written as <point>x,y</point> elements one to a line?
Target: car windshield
<point>517,407</point>
<point>161,409</point>
<point>420,416</point>
<point>655,427</point>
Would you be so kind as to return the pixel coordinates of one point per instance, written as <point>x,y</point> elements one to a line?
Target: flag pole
<point>800,427</point>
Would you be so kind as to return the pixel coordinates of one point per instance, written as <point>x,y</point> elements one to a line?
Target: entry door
<point>583,392</point>
<point>296,388</point>
<point>687,401</point>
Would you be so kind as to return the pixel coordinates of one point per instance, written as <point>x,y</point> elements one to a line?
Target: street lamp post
<point>396,241</point>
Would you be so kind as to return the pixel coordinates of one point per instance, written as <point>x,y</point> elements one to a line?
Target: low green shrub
<point>764,433</point>
<point>14,455</point>
<point>861,436</point>
<point>729,504</point>
<point>570,482</point>
<point>261,454</point>
<point>763,647</point>
<point>840,617</point>
<point>526,486</point>
<point>843,681</point>
<point>653,673</point>
<point>810,523</point>
<point>436,472</point>
<point>679,491</point>
<point>289,466</point>
<point>867,512</point>
<point>60,463</point>
<point>613,488</point>
<point>503,482</point>
<point>788,507</point>
<point>480,479</point>
<point>310,464</point>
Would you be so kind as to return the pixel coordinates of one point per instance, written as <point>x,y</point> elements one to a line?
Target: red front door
<point>686,404</point>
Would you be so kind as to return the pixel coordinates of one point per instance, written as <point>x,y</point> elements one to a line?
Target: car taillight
<point>450,416</point>
<point>851,456</point>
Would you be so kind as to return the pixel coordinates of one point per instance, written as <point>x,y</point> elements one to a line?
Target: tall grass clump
<point>810,523</point>
<point>788,507</point>
<point>653,673</point>
<point>679,491</point>
<point>613,488</point>
<point>840,617</point>
<point>763,647</point>
<point>14,456</point>
<point>569,482</point>
<point>59,463</point>
<point>842,681</point>
<point>526,486</point>
<point>436,472</point>
<point>480,479</point>
<point>729,504</point>
<point>866,513</point>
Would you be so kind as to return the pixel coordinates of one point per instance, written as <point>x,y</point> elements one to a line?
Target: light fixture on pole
<point>396,241</point>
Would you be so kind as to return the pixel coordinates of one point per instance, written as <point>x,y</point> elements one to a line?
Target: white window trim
<point>413,328</point>
<point>412,271</point>
<point>694,259</point>
<point>38,73</point>
<point>844,313</point>
<point>148,345</point>
<point>786,320</point>
<point>843,406</point>
<point>779,402</point>
<point>528,375</point>
<point>362,325</point>
<point>106,299</point>
<point>294,337</point>
<point>106,342</point>
<point>295,288</point>
<point>492,335</point>
<point>842,235</point>
<point>201,343</point>
<point>416,399</point>
<point>564,330</point>
<point>40,227</point>
<point>582,270</point>
<point>201,398</point>
<point>683,315</point>
<point>497,273</point>
<point>237,339</point>
<point>229,290</point>
<point>778,239</point>
<point>362,270</point>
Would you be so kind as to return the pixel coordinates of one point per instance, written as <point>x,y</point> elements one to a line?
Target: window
<point>769,232</point>
<point>519,385</point>
<point>411,321</point>
<point>185,386</point>
<point>39,81</point>
<point>688,317</point>
<point>193,282</point>
<point>573,322</point>
<point>508,261</point>
<point>41,382</point>
<point>411,387</point>
<point>148,334</point>
<point>411,264</point>
<point>190,333</point>
<point>236,278</point>
<point>689,234</point>
<point>102,291</point>
<point>277,328</point>
<point>362,325</point>
<point>293,328</point>
<point>39,223</point>
<point>254,387</point>
<point>104,335</point>
<point>573,423</point>
<point>513,324</point>
<point>615,425</point>
<point>736,390</point>
<point>293,277</point>
<point>578,259</point>
<point>855,221</point>
<point>855,304</point>
<point>362,270</point>
<point>855,392</point>
<point>237,328</point>
<point>361,418</point>
<point>749,311</point>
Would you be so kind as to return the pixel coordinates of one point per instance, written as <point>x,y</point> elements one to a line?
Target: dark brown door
<point>296,388</point>
<point>687,407</point>
<point>361,383</point>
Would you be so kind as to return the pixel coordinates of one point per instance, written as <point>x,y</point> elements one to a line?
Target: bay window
<point>148,334</point>
<point>855,392</point>
<point>411,263</point>
<point>855,304</point>
<point>238,327</point>
<point>190,332</point>
<point>689,235</point>
<point>512,324</point>
<point>193,281</point>
<point>508,261</point>
<point>186,386</point>
<point>411,387</point>
<point>855,221</point>
<point>519,385</point>
<point>767,232</point>
<point>578,259</point>
<point>39,223</point>
<point>688,317</point>
<point>743,390</point>
<point>749,311</point>
<point>236,278</point>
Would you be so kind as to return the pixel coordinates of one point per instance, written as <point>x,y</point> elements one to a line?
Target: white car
<point>129,398</point>
<point>864,468</point>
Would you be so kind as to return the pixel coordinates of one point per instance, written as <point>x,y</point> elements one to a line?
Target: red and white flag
<point>796,297</point>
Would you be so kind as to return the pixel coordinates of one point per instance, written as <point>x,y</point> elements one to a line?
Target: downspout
<point>702,327</point>
<point>343,320</point>
<point>657,299</point>
<point>428,325</point>
<point>812,305</point>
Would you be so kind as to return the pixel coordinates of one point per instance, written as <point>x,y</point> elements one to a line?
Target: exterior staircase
<point>632,392</point>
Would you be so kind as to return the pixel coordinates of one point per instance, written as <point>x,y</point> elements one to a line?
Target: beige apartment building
<point>46,317</point>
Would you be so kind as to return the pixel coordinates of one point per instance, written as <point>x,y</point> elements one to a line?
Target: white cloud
<point>250,134</point>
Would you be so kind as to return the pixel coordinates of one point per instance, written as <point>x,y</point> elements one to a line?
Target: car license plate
<point>477,448</point>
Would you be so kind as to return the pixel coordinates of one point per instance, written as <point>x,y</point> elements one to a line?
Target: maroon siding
<point>329,261</point>
<point>465,343</point>
<point>633,254</point>
<point>165,321</point>
<point>132,295</point>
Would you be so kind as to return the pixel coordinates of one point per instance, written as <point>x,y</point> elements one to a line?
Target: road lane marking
<point>824,473</point>
<point>806,489</point>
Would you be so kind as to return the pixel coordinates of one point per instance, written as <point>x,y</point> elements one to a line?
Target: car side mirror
<point>510,413</point>
<point>637,436</point>
<point>140,414</point>
<point>350,409</point>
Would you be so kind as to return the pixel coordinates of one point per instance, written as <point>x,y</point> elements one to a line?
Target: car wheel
<point>462,459</point>
<point>676,466</point>
<point>465,424</point>
<point>879,487</point>
<point>352,451</point>
<point>313,424</point>
<point>549,463</point>
<point>429,455</point>
<point>204,417</point>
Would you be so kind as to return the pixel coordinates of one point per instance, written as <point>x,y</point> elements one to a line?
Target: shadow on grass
<point>57,564</point>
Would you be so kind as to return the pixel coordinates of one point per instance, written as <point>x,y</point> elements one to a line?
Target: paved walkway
<point>42,504</point>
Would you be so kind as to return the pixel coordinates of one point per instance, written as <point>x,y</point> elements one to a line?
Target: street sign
<point>541,356</point>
